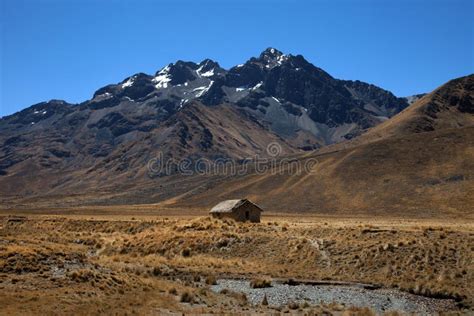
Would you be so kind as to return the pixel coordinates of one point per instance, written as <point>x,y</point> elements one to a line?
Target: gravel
<point>379,300</point>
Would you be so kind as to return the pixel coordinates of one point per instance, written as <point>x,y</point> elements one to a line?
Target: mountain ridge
<point>334,109</point>
<point>395,174</point>
<point>197,111</point>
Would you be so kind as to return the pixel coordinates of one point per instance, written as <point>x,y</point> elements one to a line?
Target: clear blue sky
<point>66,49</point>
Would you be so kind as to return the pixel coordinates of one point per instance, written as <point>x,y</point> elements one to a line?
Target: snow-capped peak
<point>272,57</point>
<point>162,78</point>
<point>165,70</point>
<point>207,68</point>
<point>271,53</point>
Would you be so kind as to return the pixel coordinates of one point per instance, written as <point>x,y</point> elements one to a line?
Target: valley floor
<point>145,263</point>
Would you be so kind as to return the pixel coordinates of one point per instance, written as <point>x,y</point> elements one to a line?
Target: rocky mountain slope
<point>186,110</point>
<point>392,170</point>
<point>418,163</point>
<point>395,169</point>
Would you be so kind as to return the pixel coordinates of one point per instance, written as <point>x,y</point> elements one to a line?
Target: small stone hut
<point>240,210</point>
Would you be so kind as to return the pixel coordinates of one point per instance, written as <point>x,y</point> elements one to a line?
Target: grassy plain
<point>147,262</point>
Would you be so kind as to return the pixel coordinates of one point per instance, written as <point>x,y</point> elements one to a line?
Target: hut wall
<point>246,212</point>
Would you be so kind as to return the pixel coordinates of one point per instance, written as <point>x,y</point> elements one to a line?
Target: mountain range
<point>420,163</point>
<point>194,110</point>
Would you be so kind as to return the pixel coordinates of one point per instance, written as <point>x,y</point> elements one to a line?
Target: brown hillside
<point>398,176</point>
<point>420,162</point>
<point>449,106</point>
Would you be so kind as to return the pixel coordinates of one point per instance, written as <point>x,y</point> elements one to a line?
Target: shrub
<point>156,271</point>
<point>82,275</point>
<point>293,305</point>
<point>260,283</point>
<point>186,297</point>
<point>211,280</point>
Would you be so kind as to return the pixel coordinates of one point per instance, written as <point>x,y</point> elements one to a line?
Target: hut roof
<point>229,205</point>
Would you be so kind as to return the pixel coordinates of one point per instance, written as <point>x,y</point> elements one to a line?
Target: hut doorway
<point>247,215</point>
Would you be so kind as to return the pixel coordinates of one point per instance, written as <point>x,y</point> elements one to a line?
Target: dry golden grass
<point>157,264</point>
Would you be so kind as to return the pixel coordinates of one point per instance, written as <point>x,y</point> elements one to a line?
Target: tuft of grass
<point>186,252</point>
<point>173,291</point>
<point>357,311</point>
<point>82,275</point>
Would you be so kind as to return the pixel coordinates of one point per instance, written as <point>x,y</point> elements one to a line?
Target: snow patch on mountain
<point>257,86</point>
<point>128,83</point>
<point>282,59</point>
<point>203,90</point>
<point>208,73</point>
<point>276,99</point>
<point>182,103</point>
<point>163,78</point>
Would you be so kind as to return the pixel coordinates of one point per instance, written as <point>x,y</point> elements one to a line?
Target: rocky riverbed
<point>379,300</point>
